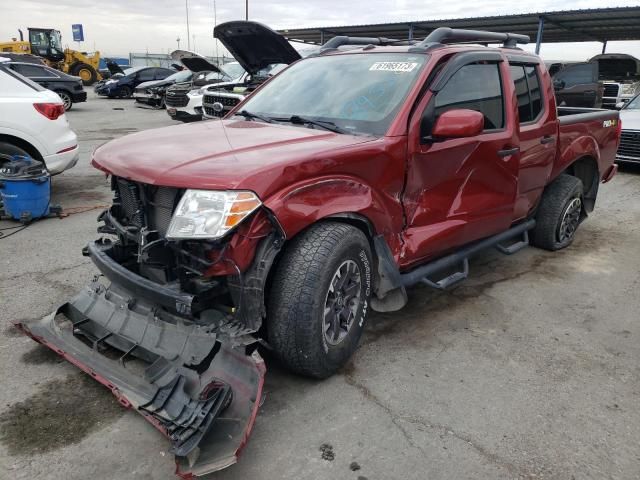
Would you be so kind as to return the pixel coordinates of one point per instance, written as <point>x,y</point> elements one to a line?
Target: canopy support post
<point>539,36</point>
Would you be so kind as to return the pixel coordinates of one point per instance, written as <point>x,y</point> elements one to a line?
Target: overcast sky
<point>117,27</point>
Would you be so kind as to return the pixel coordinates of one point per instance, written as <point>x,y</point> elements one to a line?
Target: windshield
<point>221,76</point>
<point>233,69</point>
<point>359,93</point>
<point>182,76</point>
<point>633,104</point>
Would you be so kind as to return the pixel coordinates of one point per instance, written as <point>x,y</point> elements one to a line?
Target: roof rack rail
<point>455,35</point>
<point>341,40</point>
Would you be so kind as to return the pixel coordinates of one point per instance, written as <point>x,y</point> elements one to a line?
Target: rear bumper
<point>59,162</point>
<point>79,97</point>
<point>207,416</point>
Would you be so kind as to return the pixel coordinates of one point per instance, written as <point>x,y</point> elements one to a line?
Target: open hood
<point>113,67</point>
<point>193,61</point>
<point>255,46</point>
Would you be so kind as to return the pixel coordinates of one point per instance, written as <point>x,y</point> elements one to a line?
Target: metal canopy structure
<point>598,24</point>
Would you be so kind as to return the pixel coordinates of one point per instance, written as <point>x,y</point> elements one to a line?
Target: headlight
<point>202,90</point>
<point>629,88</point>
<point>210,214</point>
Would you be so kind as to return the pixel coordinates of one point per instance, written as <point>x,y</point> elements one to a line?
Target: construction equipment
<point>47,43</point>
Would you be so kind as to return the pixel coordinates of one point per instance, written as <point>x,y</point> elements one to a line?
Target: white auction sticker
<point>402,67</point>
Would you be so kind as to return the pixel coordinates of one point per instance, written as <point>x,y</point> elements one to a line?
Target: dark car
<point>153,93</point>
<point>68,87</point>
<point>577,85</point>
<point>124,86</point>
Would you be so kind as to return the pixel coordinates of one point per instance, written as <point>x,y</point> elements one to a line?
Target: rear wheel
<point>319,299</point>
<point>559,213</point>
<point>8,149</point>
<point>66,99</point>
<point>86,72</point>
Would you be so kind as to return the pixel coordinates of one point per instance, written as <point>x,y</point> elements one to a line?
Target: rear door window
<point>32,71</point>
<point>475,87</point>
<point>146,75</point>
<point>527,85</point>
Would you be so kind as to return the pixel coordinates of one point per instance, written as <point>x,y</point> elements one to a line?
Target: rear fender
<point>580,147</point>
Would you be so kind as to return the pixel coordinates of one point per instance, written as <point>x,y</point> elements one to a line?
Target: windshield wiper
<point>327,125</point>
<point>251,116</point>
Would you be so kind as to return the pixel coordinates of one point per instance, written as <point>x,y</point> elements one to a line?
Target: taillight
<point>50,110</point>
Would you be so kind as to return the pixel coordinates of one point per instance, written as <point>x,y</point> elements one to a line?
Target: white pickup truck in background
<point>33,123</point>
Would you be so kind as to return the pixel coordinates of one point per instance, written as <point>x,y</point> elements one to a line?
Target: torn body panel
<point>194,384</point>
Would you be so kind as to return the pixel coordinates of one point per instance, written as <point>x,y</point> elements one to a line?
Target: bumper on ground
<point>197,388</point>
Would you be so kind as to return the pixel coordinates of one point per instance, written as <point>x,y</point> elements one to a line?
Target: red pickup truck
<point>343,180</point>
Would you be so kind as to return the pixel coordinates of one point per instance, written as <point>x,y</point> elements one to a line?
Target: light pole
<point>246,9</point>
<point>178,40</point>
<point>186,6</point>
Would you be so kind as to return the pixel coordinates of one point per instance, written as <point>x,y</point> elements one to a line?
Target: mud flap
<point>200,390</point>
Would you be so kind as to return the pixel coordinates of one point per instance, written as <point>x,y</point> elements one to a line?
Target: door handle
<point>547,139</point>
<point>508,151</point>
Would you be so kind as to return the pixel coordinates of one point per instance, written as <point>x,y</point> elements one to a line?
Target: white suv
<point>33,123</point>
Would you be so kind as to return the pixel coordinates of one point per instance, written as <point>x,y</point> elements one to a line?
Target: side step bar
<point>461,257</point>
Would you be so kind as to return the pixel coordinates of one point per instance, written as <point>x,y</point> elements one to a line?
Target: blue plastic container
<point>25,188</point>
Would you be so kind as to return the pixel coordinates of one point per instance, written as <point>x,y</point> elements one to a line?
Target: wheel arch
<point>586,169</point>
<point>21,143</point>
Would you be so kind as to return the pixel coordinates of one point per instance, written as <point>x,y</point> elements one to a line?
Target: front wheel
<point>125,92</point>
<point>319,299</point>
<point>559,213</point>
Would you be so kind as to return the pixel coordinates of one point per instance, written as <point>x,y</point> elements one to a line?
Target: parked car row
<point>33,121</point>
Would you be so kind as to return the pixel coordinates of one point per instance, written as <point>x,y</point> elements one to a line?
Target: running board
<point>500,241</point>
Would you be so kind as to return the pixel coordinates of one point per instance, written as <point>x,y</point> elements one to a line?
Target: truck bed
<point>593,131</point>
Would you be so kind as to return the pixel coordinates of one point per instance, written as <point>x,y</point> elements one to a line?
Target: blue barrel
<point>25,188</point>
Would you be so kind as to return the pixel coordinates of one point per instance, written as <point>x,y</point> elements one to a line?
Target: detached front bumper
<point>192,381</point>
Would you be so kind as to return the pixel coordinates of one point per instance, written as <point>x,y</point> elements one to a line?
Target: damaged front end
<point>170,327</point>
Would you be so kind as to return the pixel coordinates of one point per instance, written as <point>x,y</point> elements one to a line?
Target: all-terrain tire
<point>559,213</point>
<point>299,328</point>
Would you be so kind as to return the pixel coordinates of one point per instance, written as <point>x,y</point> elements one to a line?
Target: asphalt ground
<point>530,369</point>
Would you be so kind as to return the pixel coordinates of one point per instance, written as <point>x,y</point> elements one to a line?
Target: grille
<point>611,89</point>
<point>629,145</point>
<point>227,102</point>
<point>176,99</point>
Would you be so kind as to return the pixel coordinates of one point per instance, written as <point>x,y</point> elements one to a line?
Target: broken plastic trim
<point>204,398</point>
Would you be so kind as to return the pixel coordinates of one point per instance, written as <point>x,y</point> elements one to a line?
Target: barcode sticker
<point>401,67</point>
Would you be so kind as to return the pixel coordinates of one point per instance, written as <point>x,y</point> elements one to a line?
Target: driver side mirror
<point>558,84</point>
<point>460,123</point>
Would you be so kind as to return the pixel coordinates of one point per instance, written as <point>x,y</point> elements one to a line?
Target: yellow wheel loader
<point>47,43</point>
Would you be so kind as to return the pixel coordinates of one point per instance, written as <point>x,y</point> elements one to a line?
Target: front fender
<point>304,203</point>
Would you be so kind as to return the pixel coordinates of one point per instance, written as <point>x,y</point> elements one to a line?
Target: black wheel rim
<point>570,220</point>
<point>342,302</point>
